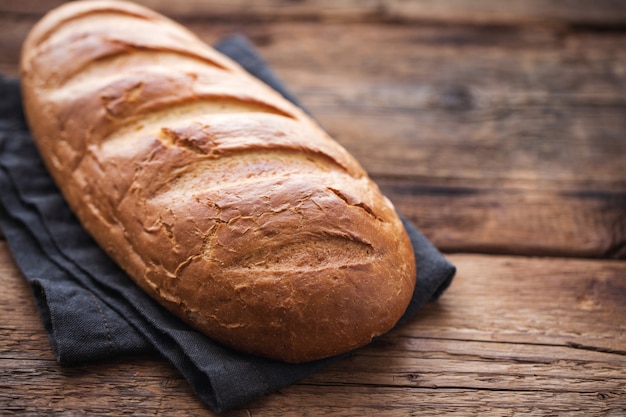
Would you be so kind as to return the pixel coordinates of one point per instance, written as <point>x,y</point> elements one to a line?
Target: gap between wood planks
<point>567,344</point>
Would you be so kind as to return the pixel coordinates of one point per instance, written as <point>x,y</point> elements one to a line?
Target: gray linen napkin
<point>92,310</point>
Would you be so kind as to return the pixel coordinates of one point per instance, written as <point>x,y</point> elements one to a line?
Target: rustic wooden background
<point>499,129</point>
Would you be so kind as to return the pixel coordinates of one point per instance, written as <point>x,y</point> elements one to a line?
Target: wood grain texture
<point>467,11</point>
<point>489,345</point>
<point>517,218</point>
<point>492,11</point>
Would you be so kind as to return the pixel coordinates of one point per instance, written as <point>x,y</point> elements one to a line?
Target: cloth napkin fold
<point>92,310</point>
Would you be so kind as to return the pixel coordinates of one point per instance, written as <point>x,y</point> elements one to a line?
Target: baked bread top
<point>221,199</point>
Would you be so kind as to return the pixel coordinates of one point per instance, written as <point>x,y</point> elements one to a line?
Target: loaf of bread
<point>218,197</point>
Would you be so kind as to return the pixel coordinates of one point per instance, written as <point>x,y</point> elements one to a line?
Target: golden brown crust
<point>222,200</point>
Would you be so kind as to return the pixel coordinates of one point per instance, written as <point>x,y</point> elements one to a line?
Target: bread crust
<point>219,198</point>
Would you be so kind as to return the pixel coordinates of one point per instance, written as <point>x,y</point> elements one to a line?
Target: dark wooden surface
<point>499,129</point>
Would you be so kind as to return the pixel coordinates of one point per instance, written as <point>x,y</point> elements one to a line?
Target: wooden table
<point>499,129</point>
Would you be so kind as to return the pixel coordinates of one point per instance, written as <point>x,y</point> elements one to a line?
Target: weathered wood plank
<point>437,363</point>
<point>13,31</point>
<point>569,302</point>
<point>36,7</point>
<point>493,216</point>
<point>599,12</point>
<point>392,401</point>
<point>21,329</point>
<point>483,11</point>
<point>151,387</point>
<point>135,386</point>
<point>512,333</point>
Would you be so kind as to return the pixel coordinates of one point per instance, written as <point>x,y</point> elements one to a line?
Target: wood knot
<point>413,377</point>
